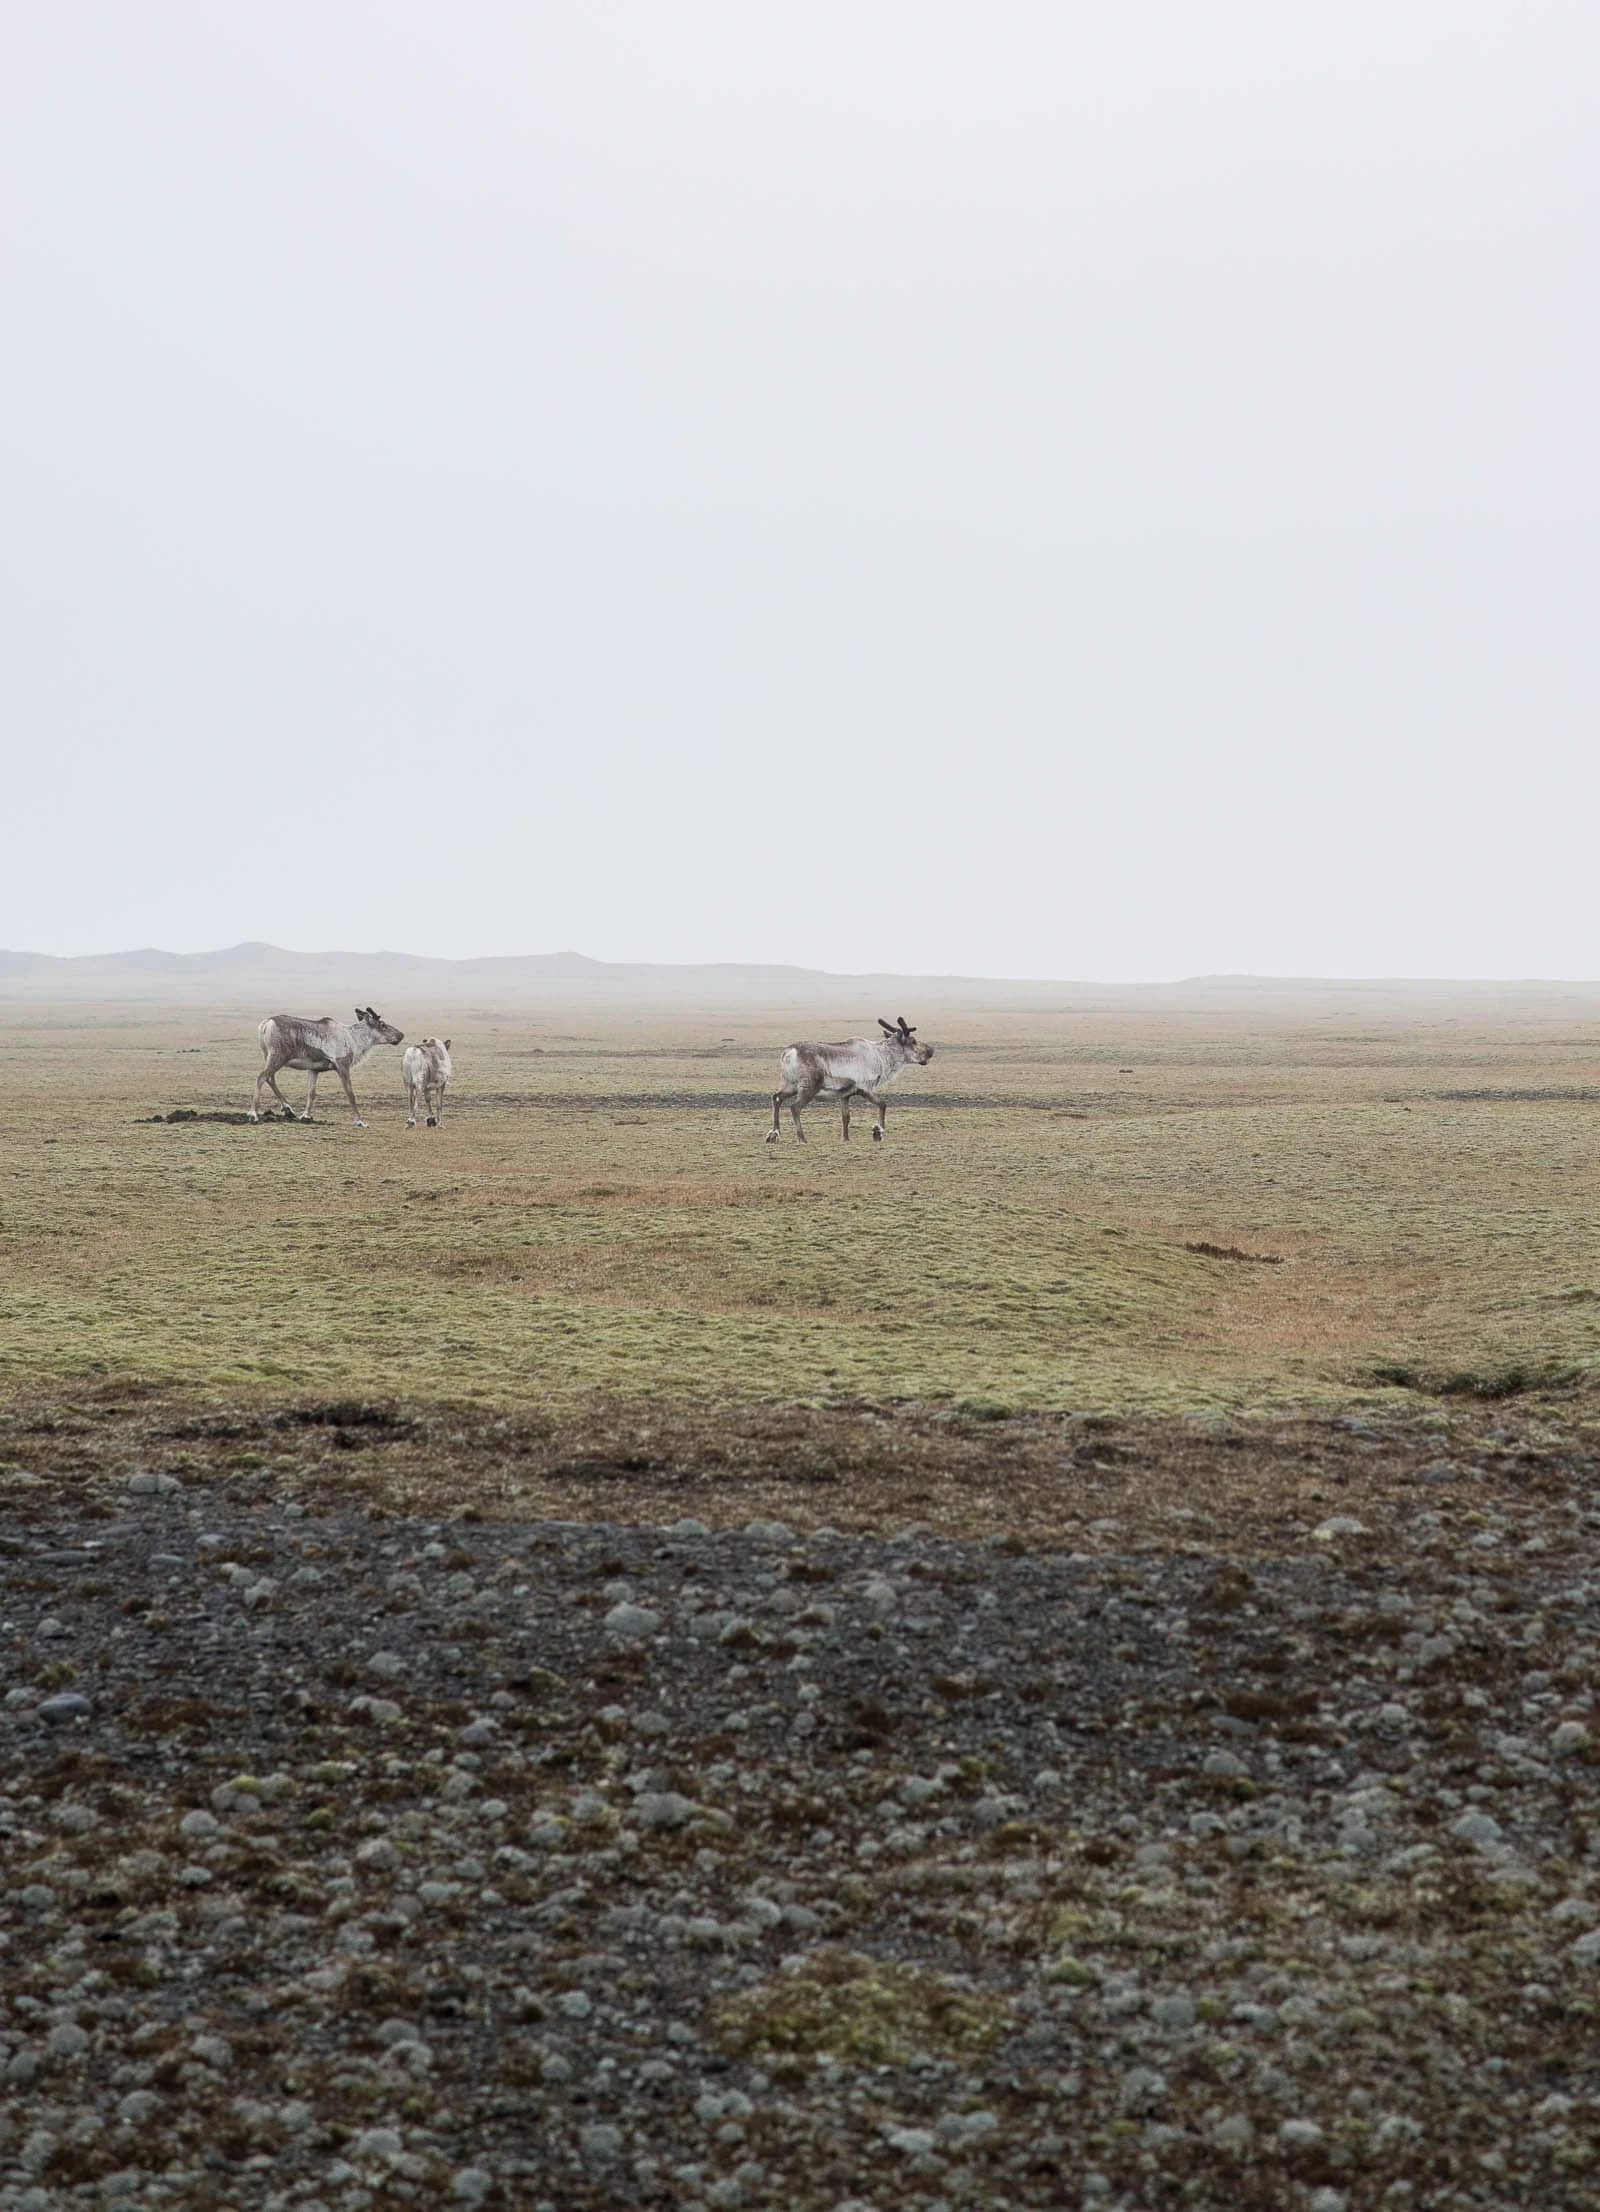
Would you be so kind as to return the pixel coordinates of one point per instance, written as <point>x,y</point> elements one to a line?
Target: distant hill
<point>267,978</point>
<point>256,972</point>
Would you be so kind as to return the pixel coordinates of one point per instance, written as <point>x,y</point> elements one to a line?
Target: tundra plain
<point>579,1659</point>
<point>1087,1213</point>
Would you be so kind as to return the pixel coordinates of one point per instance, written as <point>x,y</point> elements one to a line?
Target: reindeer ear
<point>361,1013</point>
<point>447,1044</point>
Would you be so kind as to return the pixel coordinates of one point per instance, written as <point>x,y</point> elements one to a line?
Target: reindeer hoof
<point>433,1121</point>
<point>254,1116</point>
<point>361,1125</point>
<point>772,1135</point>
<point>877,1136</point>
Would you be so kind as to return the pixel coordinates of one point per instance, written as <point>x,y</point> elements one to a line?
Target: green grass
<point>599,1216</point>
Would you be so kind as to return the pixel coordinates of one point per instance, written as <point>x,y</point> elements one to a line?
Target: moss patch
<point>865,2011</point>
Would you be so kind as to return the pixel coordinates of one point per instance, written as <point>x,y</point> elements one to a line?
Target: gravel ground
<point>355,1859</point>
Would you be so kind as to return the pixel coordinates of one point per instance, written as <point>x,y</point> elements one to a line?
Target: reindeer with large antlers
<point>859,1069</point>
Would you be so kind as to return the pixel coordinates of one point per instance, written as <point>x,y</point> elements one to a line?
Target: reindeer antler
<point>886,1027</point>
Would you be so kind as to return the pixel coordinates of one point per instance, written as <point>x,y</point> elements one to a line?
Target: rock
<point>600,2143</point>
<point>50,1629</point>
<point>385,2143</point>
<point>1236,2132</point>
<point>1580,1909</point>
<point>910,2142</point>
<point>388,1664</point>
<point>391,2033</point>
<point>471,2184</point>
<point>65,1706</point>
<point>688,1527</point>
<point>1569,1738</point>
<point>1341,1524</point>
<point>1439,1470</point>
<point>152,1483</point>
<point>1224,1763</point>
<point>67,2040</point>
<point>1481,1830</point>
<point>632,1622</point>
<point>1586,1951</point>
<point>1141,2089</point>
<point>663,1809</point>
<point>213,2050</point>
<point>1173,2012</point>
<point>1300,2134</point>
<point>199,1823</point>
<point>138,2108</point>
<point>769,1532</point>
<point>958,2129</point>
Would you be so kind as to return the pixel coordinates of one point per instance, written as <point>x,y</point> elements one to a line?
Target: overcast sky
<point>1035,490</point>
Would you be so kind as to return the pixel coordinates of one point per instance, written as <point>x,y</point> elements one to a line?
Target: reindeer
<point>426,1068</point>
<point>296,1041</point>
<point>859,1069</point>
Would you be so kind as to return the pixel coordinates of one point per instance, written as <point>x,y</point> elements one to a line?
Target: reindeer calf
<point>427,1070</point>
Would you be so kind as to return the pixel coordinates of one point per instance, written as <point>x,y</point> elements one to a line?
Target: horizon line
<point>257,945</point>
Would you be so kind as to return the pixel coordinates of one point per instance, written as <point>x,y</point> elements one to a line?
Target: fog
<point>1062,492</point>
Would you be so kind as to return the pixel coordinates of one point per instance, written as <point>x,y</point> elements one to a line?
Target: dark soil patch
<point>186,1114</point>
<point>1232,1252</point>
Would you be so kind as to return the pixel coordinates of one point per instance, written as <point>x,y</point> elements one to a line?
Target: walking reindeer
<point>297,1041</point>
<point>858,1069</point>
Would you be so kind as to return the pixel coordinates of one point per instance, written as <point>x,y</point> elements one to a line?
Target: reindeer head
<point>387,1032</point>
<point>902,1034</point>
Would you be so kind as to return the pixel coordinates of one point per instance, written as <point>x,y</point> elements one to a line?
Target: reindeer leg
<point>269,1076</point>
<point>411,1104</point>
<point>779,1100</point>
<point>844,1115</point>
<point>438,1107</point>
<point>343,1074</point>
<point>255,1096</point>
<point>802,1095</point>
<point>882,1105</point>
<point>311,1093</point>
